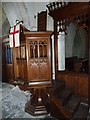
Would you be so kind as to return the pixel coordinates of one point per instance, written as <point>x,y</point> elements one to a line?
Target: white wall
<point>0,18</point>
<point>26,11</point>
<point>69,40</point>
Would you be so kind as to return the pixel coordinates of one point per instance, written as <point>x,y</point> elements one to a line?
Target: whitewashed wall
<point>26,11</point>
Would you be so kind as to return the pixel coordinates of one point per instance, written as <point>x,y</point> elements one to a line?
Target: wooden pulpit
<point>38,52</point>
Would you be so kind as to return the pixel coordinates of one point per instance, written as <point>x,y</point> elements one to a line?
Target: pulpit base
<point>35,109</point>
<point>39,103</point>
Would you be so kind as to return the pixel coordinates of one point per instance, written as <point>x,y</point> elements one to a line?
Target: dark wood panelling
<point>77,82</point>
<point>9,71</point>
<point>22,69</point>
<point>42,21</point>
<point>83,85</point>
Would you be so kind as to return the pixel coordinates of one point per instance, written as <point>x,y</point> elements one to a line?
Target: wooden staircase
<point>65,105</point>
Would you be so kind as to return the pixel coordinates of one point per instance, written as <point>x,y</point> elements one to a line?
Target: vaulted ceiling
<point>25,11</point>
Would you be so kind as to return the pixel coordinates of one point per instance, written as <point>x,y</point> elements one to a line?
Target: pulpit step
<point>81,112</point>
<point>68,108</point>
<point>71,105</point>
<point>65,105</point>
<point>62,96</point>
<point>58,85</point>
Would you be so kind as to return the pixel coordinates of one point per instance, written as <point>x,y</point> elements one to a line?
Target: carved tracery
<point>79,21</point>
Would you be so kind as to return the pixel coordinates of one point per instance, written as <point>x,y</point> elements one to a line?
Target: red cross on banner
<point>14,36</point>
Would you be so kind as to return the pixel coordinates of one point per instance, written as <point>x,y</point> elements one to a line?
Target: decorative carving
<point>37,62</point>
<point>33,49</point>
<point>57,5</point>
<point>43,48</point>
<point>23,51</point>
<point>34,62</point>
<point>62,26</point>
<point>38,45</point>
<point>43,61</point>
<point>20,60</point>
<point>80,21</point>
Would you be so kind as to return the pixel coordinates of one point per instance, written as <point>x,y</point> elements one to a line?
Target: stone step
<point>81,112</point>
<point>71,105</point>
<point>62,96</point>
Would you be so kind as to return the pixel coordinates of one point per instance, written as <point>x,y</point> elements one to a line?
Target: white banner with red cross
<point>14,36</point>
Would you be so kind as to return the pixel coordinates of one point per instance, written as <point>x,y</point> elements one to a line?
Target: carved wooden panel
<point>16,54</point>
<point>33,49</point>
<point>9,71</point>
<point>34,70</point>
<point>22,69</point>
<point>38,57</point>
<point>20,64</point>
<point>43,48</point>
<point>83,85</point>
<point>23,51</point>
<point>44,75</point>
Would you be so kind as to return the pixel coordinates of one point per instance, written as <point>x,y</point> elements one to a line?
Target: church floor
<point>13,103</point>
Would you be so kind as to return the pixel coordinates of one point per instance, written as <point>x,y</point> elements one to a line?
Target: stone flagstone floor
<point>13,103</point>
